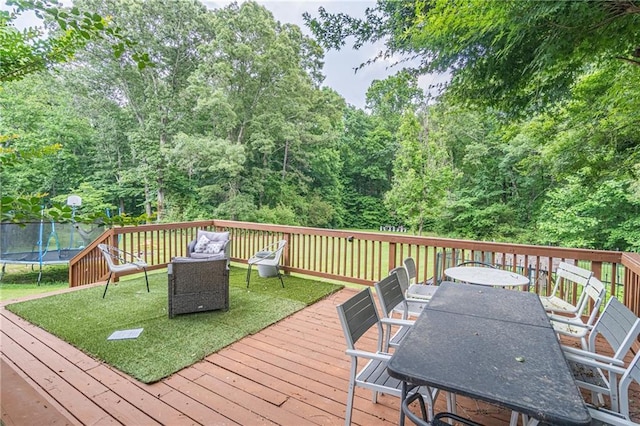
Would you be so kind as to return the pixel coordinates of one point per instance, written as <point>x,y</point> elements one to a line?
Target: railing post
<point>287,248</point>
<point>392,255</point>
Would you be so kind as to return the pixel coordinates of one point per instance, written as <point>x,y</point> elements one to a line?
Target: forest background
<point>533,140</point>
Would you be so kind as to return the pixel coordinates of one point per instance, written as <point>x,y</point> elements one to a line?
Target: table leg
<point>403,396</point>
<point>451,403</point>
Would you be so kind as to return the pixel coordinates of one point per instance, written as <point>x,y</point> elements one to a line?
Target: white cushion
<point>213,247</point>
<point>201,245</point>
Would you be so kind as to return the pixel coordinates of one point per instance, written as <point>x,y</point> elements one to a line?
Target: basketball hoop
<point>74,201</point>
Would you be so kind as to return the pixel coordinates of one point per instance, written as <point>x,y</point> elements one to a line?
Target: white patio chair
<point>418,291</point>
<point>620,328</point>
<point>574,325</point>
<point>357,316</point>
<point>566,272</point>
<point>121,261</point>
<point>413,306</point>
<point>268,259</point>
<point>608,376</point>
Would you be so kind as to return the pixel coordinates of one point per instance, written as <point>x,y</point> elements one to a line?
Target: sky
<point>339,65</point>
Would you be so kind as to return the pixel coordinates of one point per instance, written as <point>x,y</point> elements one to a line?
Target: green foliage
<point>539,119</point>
<point>281,215</point>
<point>577,216</point>
<point>240,207</point>
<point>519,55</point>
<point>422,174</point>
<point>29,51</point>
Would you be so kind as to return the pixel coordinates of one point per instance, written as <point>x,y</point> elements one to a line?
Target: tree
<point>516,54</point>
<point>33,50</point>
<point>42,113</point>
<point>422,174</point>
<point>257,92</point>
<point>36,49</point>
<point>367,152</point>
<point>154,98</point>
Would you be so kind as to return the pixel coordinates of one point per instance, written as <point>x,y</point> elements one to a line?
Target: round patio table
<point>486,276</point>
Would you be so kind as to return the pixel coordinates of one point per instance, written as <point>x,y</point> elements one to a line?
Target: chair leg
<point>146,278</point>
<point>248,275</point>
<point>280,276</point>
<point>347,414</point>
<point>451,403</point>
<point>107,286</point>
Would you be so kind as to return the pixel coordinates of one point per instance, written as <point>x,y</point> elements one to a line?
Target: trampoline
<point>43,243</point>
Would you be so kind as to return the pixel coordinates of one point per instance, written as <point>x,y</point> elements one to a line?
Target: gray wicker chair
<point>197,285</point>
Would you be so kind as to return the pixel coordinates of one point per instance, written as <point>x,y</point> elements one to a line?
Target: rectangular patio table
<point>494,345</point>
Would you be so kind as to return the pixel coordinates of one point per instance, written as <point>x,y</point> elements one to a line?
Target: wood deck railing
<point>364,257</point>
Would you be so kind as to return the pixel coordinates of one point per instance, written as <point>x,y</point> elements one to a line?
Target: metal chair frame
<point>272,260</point>
<point>121,261</point>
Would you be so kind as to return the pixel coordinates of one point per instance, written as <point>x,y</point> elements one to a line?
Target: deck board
<point>292,373</point>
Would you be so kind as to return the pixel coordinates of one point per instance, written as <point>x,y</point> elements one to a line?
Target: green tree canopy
<point>511,53</point>
<point>66,31</point>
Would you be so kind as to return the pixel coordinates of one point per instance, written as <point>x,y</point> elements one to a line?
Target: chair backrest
<point>576,274</point>
<point>573,273</point>
<point>214,236</point>
<point>390,293</point>
<point>410,265</point>
<point>272,253</point>
<point>594,290</point>
<point>403,277</point>
<point>109,253</point>
<point>357,315</point>
<point>278,252</point>
<point>618,325</point>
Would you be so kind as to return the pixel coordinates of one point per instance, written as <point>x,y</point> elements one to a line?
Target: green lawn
<point>21,280</point>
<point>84,319</point>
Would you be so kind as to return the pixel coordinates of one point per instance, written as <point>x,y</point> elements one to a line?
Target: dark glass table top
<point>491,355</point>
<point>490,302</point>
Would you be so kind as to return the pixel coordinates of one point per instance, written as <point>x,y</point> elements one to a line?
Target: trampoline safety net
<point>44,243</point>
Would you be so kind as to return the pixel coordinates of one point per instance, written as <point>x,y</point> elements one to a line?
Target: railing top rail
<point>533,250</point>
<point>118,230</point>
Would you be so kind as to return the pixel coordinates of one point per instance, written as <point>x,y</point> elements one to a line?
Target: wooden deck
<point>292,373</point>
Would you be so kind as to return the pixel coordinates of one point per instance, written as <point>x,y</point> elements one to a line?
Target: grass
<point>84,319</point>
<point>21,280</point>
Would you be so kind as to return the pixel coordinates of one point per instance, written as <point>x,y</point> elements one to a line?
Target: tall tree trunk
<point>160,209</point>
<point>147,200</point>
<point>284,161</point>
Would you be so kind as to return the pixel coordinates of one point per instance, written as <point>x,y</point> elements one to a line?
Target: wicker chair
<point>197,285</point>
